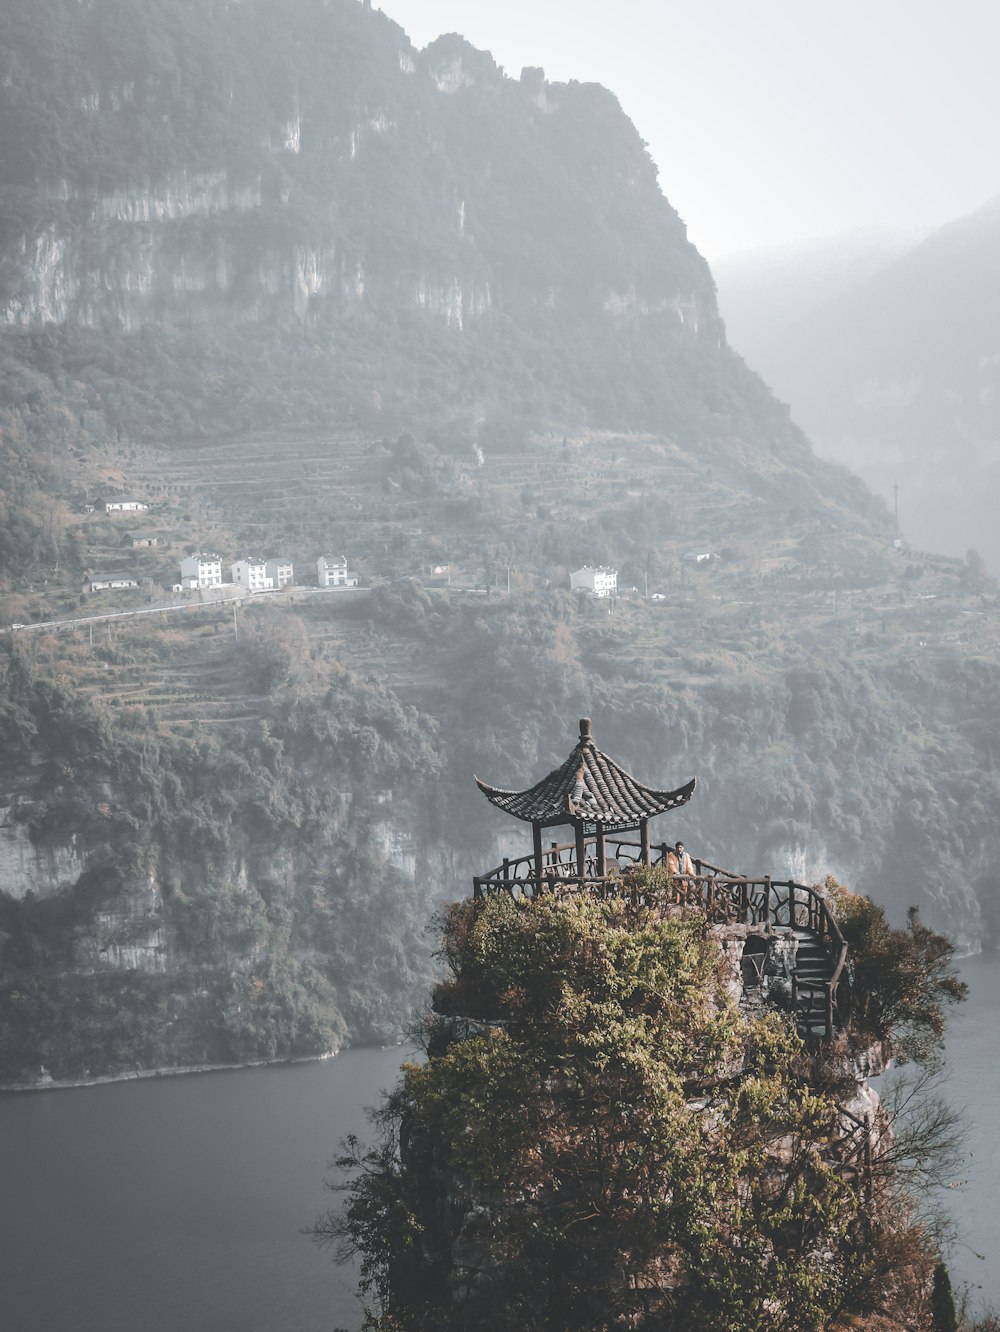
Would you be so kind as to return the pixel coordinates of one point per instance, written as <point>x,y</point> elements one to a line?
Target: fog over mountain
<point>892,368</point>
<point>763,292</point>
<point>305,290</point>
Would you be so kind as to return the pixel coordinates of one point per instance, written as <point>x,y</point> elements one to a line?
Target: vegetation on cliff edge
<point>614,1144</point>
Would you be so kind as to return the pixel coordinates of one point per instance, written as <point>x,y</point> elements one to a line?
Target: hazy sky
<point>774,120</point>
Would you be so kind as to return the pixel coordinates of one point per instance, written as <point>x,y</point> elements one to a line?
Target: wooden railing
<point>725,897</point>
<point>796,906</point>
<point>853,1155</point>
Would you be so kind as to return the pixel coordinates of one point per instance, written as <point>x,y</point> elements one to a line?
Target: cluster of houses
<point>204,570</point>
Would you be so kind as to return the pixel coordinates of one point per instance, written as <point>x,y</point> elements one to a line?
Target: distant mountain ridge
<point>764,291</point>
<point>899,378</point>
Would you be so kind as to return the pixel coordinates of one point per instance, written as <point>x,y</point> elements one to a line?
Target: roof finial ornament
<point>585,737</point>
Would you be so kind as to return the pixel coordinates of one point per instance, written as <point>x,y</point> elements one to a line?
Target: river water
<point>178,1203</point>
<point>972,1084</point>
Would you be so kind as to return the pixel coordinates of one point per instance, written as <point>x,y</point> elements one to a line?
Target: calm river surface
<point>973,1085</point>
<point>175,1204</point>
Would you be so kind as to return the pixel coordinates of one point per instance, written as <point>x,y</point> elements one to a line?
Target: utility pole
<point>236,628</point>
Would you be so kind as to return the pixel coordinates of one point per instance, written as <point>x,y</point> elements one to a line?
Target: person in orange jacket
<point>679,862</point>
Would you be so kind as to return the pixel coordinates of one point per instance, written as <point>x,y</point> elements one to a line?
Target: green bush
<point>901,978</point>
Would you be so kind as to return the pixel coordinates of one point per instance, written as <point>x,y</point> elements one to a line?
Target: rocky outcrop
<point>27,866</point>
<point>457,1255</point>
<point>128,935</point>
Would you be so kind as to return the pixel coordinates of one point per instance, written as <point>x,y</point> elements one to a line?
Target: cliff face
<point>25,866</point>
<point>250,900</point>
<point>245,163</point>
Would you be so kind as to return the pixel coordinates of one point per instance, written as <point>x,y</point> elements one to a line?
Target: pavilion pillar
<point>536,834</point>
<point>602,857</point>
<point>644,842</point>
<point>581,850</point>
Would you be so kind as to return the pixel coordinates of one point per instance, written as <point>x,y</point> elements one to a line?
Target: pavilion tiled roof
<point>588,786</point>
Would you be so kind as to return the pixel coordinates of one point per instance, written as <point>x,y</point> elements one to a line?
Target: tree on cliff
<point>601,1138</point>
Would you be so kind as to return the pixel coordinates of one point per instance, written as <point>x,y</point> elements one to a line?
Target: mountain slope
<point>898,378</point>
<point>440,236</point>
<point>763,292</point>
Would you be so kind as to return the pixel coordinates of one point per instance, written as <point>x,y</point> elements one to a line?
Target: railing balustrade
<point>726,898</point>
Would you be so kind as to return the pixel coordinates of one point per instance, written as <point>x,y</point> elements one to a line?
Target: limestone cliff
<point>310,165</point>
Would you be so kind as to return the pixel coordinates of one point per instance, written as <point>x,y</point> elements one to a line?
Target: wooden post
<point>581,851</point>
<point>506,873</point>
<point>536,837</point>
<point>869,1172</point>
<point>602,858</point>
<point>644,842</point>
<point>829,1010</point>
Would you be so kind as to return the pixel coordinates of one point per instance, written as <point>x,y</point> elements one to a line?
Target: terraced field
<point>394,513</point>
<point>462,523</point>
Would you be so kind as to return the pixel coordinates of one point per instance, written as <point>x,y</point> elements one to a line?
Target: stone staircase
<point>813,969</point>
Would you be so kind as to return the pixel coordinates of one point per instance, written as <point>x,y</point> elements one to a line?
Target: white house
<point>203,570</point>
<point>599,582</point>
<point>124,504</point>
<point>251,573</point>
<point>104,582</point>
<point>332,571</point>
<point>280,572</point>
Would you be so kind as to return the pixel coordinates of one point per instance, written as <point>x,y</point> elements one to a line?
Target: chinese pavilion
<point>602,803</point>
<point>599,800</point>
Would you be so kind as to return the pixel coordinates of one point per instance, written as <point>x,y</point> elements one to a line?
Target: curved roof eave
<point>587,787</point>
